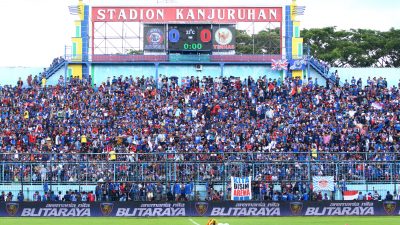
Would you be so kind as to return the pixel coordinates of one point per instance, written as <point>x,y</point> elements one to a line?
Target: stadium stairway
<point>322,70</point>
<point>53,69</point>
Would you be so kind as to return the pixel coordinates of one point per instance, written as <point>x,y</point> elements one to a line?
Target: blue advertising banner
<point>298,64</point>
<point>210,209</point>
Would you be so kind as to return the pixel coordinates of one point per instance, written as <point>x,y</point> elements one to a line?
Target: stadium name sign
<point>231,208</point>
<point>187,14</point>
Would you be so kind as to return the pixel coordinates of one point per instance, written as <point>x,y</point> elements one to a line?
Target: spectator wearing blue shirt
<point>20,196</point>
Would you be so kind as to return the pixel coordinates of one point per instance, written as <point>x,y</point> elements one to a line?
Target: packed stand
<point>136,129</point>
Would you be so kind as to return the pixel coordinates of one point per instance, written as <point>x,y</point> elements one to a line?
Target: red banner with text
<point>187,14</point>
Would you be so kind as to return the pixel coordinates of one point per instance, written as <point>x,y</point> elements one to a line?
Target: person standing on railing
<point>44,81</point>
<point>91,196</point>
<point>20,83</point>
<point>20,196</point>
<point>359,83</point>
<point>37,197</point>
<point>337,79</point>
<point>29,80</point>
<point>9,197</point>
<point>396,196</point>
<point>2,197</point>
<point>389,197</point>
<point>360,196</point>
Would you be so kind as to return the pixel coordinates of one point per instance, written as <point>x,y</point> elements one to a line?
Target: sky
<point>36,31</point>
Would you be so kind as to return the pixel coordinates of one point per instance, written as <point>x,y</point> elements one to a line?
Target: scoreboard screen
<point>189,37</point>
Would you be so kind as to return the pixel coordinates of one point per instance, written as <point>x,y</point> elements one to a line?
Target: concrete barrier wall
<point>193,209</point>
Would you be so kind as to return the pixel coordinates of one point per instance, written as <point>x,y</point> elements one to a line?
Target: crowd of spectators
<point>126,128</point>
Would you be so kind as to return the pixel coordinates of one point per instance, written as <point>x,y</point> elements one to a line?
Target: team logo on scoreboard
<point>155,36</point>
<point>296,207</point>
<point>223,36</point>
<point>12,208</point>
<point>389,207</point>
<point>106,208</point>
<point>201,207</point>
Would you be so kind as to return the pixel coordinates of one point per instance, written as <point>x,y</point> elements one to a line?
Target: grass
<point>371,220</point>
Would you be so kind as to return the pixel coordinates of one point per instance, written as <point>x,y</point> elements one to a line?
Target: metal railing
<point>172,58</point>
<point>83,171</point>
<point>217,167</point>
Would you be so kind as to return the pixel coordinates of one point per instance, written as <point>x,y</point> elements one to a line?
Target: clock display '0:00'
<point>193,46</point>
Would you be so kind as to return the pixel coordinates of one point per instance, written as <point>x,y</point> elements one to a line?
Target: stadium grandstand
<point>186,119</point>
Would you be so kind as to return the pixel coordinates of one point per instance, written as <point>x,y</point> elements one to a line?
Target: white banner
<point>241,188</point>
<point>323,183</point>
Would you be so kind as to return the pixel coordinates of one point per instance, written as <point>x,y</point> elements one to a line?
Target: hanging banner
<point>241,188</point>
<point>323,183</point>
<point>298,64</point>
<point>194,209</point>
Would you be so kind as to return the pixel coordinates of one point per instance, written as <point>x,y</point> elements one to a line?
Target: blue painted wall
<point>256,71</point>
<point>101,72</point>
<point>392,75</point>
<point>53,80</point>
<point>189,70</point>
<point>10,75</point>
<point>314,74</point>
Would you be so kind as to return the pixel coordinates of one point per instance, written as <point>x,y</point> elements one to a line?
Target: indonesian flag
<point>350,195</point>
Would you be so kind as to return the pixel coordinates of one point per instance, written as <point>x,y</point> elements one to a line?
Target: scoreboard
<point>189,37</point>
<point>181,38</point>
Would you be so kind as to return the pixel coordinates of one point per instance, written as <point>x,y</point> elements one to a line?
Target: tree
<point>354,48</point>
<point>265,42</point>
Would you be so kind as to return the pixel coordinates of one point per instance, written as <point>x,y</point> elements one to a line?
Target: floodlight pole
<point>253,37</point>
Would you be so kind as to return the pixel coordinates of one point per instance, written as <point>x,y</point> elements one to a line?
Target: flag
<point>279,64</point>
<point>323,183</point>
<point>299,10</point>
<point>74,9</point>
<point>350,195</point>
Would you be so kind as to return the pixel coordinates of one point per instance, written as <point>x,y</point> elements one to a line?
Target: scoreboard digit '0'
<point>189,37</point>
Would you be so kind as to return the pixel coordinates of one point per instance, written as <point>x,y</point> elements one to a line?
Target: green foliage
<point>265,42</point>
<point>339,48</point>
<point>134,52</point>
<point>354,48</point>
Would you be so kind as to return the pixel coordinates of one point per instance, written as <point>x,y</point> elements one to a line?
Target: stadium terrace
<point>147,14</point>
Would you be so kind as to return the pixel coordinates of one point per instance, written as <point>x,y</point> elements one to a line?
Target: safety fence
<point>185,167</point>
<point>125,58</point>
<point>192,166</point>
